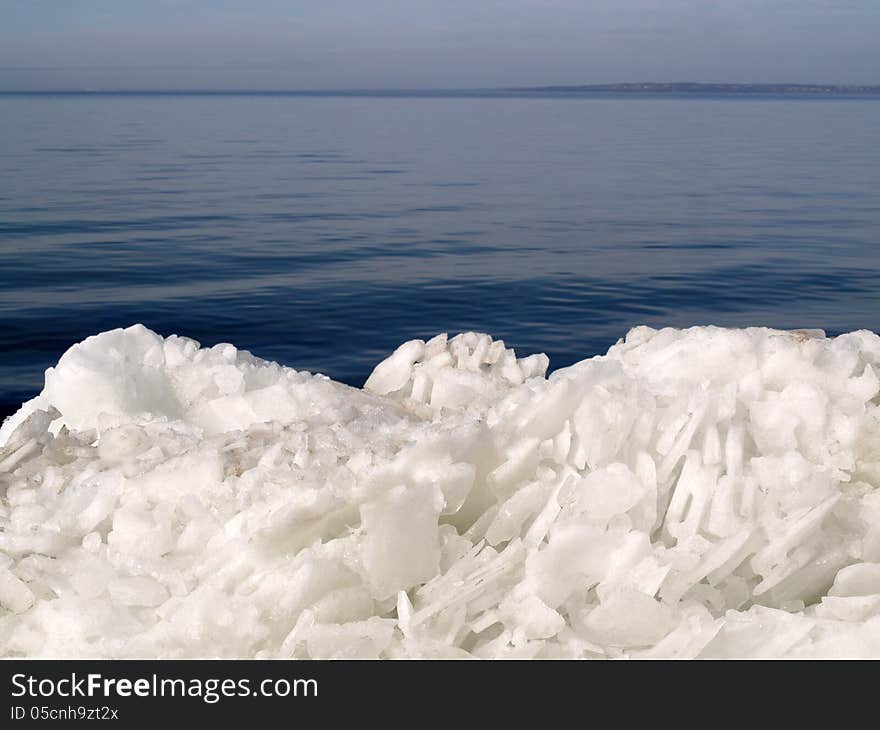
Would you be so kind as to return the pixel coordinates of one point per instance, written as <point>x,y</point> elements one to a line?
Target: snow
<point>693,493</point>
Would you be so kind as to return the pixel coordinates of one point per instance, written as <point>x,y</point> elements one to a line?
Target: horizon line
<point>627,86</point>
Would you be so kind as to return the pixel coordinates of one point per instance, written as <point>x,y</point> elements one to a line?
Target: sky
<point>409,44</point>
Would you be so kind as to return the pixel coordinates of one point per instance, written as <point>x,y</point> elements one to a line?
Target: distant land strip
<point>699,88</point>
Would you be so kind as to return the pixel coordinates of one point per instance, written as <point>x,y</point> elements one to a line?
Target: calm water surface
<point>323,231</point>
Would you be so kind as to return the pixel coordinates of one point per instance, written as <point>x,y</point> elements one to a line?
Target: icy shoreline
<point>693,493</point>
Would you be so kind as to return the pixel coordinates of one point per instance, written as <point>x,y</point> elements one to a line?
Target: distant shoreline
<point>701,88</point>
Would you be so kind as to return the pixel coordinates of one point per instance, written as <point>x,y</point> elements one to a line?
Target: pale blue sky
<point>348,44</point>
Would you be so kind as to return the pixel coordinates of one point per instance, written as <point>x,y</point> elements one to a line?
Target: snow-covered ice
<point>693,493</point>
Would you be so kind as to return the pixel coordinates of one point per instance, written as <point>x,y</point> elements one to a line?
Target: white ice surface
<point>693,493</point>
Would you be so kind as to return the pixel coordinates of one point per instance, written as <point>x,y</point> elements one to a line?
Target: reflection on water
<point>324,231</point>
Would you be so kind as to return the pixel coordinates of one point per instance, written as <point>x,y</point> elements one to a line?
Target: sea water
<point>321,231</point>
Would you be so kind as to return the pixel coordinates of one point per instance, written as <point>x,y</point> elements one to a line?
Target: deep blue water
<point>322,231</point>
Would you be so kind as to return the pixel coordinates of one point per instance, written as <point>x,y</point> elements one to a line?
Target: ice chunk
<point>137,591</point>
<point>862,579</point>
<point>392,374</point>
<point>628,618</point>
<point>15,596</point>
<point>400,547</point>
<point>606,492</point>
